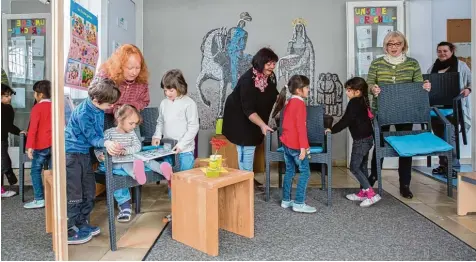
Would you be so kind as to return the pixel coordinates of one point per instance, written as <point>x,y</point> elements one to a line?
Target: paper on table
<point>38,70</point>
<point>38,45</point>
<point>382,31</point>
<point>364,36</point>
<point>18,100</point>
<point>364,61</point>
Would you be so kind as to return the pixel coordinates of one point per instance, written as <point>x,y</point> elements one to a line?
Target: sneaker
<point>76,236</point>
<point>303,208</point>
<point>8,193</point>
<point>139,172</point>
<point>125,213</point>
<point>94,231</point>
<point>371,198</point>
<point>166,170</point>
<point>35,204</point>
<point>286,204</point>
<point>361,196</point>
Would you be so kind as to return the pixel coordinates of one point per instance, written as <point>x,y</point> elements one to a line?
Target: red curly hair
<point>113,66</point>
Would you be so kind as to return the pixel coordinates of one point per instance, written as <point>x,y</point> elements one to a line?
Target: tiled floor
<point>137,236</point>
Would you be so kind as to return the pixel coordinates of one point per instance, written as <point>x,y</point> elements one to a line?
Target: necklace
<point>128,83</point>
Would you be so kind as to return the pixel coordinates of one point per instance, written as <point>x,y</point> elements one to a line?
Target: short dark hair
<point>297,82</point>
<point>7,90</point>
<point>262,57</point>
<point>451,46</point>
<point>173,79</point>
<point>104,90</point>
<point>43,87</point>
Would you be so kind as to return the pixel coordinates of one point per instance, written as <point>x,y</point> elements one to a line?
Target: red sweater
<point>39,132</point>
<point>294,133</point>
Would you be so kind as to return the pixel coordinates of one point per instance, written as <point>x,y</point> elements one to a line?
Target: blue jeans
<point>291,158</point>
<point>246,156</point>
<point>40,157</point>
<point>186,161</point>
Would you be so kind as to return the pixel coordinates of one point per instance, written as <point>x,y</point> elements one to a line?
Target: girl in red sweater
<point>38,140</point>
<point>296,145</point>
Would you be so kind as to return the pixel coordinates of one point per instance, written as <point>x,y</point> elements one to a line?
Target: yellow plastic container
<point>218,159</point>
<point>212,172</point>
<point>219,126</point>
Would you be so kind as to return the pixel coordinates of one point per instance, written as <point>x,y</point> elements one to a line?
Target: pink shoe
<point>166,170</point>
<point>139,171</point>
<point>3,190</point>
<point>371,198</point>
<point>361,196</point>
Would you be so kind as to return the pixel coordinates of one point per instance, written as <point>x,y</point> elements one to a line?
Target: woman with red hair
<point>127,68</point>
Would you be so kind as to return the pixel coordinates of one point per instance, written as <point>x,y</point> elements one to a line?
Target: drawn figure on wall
<point>330,92</point>
<point>223,59</point>
<point>300,57</point>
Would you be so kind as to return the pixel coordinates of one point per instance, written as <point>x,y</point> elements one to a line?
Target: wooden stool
<point>201,205</point>
<point>49,207</point>
<point>466,193</point>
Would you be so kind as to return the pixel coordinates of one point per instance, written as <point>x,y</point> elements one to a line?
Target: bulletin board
<point>458,30</point>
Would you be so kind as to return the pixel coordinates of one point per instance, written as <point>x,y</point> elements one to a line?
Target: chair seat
<point>118,171</point>
<point>421,144</point>
<point>314,149</point>
<point>443,111</point>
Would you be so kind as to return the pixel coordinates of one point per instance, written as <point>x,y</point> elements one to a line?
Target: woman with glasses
<point>394,68</point>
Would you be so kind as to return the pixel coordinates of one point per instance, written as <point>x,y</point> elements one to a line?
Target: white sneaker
<point>8,193</point>
<point>286,204</point>
<point>370,201</point>
<point>303,208</point>
<point>35,204</point>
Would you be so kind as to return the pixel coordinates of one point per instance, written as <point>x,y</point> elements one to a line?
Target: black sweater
<point>8,115</point>
<point>245,100</point>
<point>356,119</point>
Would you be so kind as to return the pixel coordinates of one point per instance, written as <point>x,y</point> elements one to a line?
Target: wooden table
<point>231,155</point>
<point>466,193</point>
<point>201,205</point>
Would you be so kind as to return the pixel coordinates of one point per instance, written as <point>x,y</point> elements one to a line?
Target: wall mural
<point>223,60</point>
<point>300,59</point>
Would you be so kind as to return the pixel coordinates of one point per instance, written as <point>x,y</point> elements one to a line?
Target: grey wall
<point>24,7</point>
<point>174,29</point>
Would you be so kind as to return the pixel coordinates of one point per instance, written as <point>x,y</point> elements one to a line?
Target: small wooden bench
<point>466,201</point>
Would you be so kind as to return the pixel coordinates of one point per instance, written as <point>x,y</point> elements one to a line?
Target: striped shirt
<point>129,141</point>
<point>382,72</point>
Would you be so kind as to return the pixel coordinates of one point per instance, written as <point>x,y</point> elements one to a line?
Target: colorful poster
<point>83,50</point>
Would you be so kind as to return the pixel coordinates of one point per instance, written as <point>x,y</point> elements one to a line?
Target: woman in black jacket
<point>248,107</point>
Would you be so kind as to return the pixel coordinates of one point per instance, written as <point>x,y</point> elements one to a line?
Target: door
<point>367,24</point>
<point>121,24</point>
<point>26,59</point>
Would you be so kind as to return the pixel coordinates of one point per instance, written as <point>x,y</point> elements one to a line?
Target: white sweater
<point>178,120</point>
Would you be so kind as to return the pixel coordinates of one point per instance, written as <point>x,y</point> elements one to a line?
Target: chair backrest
<point>403,104</point>
<point>314,122</point>
<point>108,121</point>
<point>149,118</point>
<point>444,87</point>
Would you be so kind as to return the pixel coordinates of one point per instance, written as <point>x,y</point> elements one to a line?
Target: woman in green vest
<point>393,68</point>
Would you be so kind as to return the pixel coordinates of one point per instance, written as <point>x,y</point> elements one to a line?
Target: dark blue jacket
<point>85,128</point>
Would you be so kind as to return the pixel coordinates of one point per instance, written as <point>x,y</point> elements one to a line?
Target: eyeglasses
<point>394,44</point>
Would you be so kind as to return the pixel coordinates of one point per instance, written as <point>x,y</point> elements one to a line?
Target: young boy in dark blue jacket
<point>85,129</point>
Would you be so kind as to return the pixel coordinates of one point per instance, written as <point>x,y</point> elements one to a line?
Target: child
<point>127,118</point>
<point>84,130</point>
<point>38,141</point>
<point>358,117</point>
<point>8,116</point>
<point>296,145</point>
<point>178,119</point>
